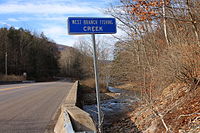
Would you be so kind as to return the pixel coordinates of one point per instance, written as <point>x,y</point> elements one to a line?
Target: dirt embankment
<point>176,110</point>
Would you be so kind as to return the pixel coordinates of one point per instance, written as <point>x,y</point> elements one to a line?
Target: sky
<point>49,16</point>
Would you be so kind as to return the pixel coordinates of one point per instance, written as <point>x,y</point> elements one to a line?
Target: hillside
<point>159,55</point>
<point>22,51</point>
<point>62,47</point>
<point>176,110</point>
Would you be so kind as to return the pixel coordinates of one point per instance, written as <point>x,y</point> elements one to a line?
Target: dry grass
<point>11,78</point>
<point>88,86</point>
<point>178,63</point>
<point>128,86</point>
<point>179,106</point>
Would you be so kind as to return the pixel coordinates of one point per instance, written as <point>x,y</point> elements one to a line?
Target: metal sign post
<point>6,63</point>
<point>85,25</point>
<point>97,82</point>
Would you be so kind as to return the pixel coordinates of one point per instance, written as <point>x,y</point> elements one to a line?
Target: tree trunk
<point>193,23</point>
<point>164,23</point>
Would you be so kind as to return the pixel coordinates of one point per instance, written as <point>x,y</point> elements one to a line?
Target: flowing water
<point>113,108</point>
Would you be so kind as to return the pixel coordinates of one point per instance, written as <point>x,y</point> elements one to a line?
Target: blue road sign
<point>86,25</point>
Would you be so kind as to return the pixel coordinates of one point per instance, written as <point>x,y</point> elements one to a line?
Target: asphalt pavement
<point>29,108</point>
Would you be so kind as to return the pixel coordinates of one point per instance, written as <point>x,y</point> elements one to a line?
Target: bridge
<point>41,107</point>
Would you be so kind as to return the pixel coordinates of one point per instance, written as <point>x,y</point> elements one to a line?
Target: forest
<point>25,52</point>
<point>158,54</point>
<point>160,44</point>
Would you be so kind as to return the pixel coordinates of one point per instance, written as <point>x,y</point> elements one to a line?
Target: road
<point>28,108</point>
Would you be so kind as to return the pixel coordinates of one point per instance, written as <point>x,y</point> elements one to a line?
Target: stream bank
<point>114,106</point>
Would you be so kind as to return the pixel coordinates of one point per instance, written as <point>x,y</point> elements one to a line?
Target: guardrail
<point>72,119</point>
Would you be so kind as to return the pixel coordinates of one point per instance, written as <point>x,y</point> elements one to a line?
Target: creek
<point>113,108</point>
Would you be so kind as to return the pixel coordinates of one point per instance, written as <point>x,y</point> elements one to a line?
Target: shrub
<point>88,86</point>
<point>179,63</point>
<point>11,78</point>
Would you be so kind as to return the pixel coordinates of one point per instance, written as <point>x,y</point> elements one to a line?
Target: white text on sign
<point>93,28</point>
<point>85,22</point>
